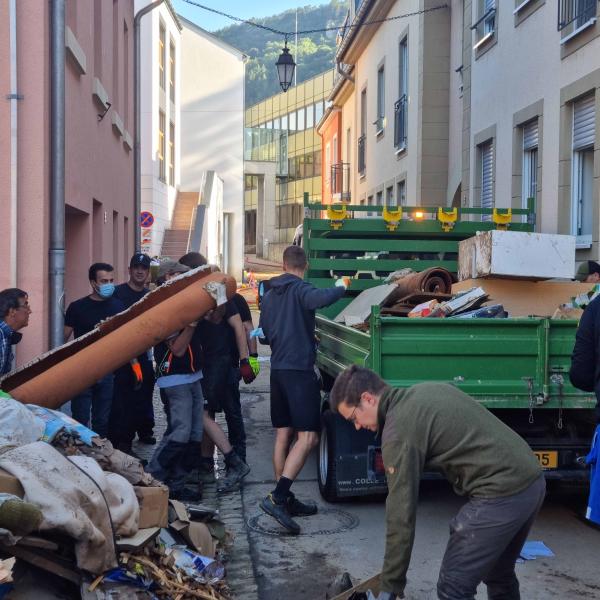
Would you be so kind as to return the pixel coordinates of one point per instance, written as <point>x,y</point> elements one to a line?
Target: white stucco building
<point>212,140</point>
<point>160,36</point>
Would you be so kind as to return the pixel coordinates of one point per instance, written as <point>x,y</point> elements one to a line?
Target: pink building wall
<point>99,192</point>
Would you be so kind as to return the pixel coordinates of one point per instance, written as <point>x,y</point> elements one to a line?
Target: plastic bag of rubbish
<point>201,568</point>
<point>55,421</point>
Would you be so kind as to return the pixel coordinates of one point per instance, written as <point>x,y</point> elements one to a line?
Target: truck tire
<point>326,465</point>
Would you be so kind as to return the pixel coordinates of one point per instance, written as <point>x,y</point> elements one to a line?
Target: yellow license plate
<point>548,459</point>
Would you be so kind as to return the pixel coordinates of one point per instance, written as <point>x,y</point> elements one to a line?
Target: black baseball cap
<point>141,260</point>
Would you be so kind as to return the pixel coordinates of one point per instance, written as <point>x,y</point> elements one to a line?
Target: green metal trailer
<point>516,367</point>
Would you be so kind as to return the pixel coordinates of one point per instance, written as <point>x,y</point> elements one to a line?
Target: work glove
<point>138,378</point>
<point>253,360</point>
<point>246,371</point>
<point>343,282</point>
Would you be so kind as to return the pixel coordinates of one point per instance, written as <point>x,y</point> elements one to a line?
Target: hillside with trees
<point>315,50</point>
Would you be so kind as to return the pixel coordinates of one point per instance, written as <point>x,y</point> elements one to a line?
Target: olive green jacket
<point>436,427</point>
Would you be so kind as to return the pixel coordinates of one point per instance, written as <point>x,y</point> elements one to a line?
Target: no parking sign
<point>146,219</point>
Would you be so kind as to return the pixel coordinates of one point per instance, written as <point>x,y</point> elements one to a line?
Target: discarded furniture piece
<point>59,375</point>
<point>517,254</point>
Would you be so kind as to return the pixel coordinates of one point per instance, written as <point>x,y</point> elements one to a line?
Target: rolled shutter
<point>487,173</point>
<point>584,123</point>
<point>530,135</point>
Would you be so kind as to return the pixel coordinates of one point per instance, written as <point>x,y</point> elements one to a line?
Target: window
<point>370,203</point>
<point>161,146</point>
<point>401,106</point>
<point>401,193</point>
<point>485,26</point>
<point>162,36</point>
<point>380,122</point>
<point>284,122</point>
<point>310,116</point>
<point>172,71</point>
<point>292,121</point>
<point>486,177</point>
<point>276,123</point>
<point>575,14</point>
<point>327,165</point>
<point>530,162</point>
<point>172,154</point>
<point>319,110</point>
<point>584,124</point>
<point>389,196</point>
<point>300,119</point>
<point>362,165</point>
<point>317,161</point>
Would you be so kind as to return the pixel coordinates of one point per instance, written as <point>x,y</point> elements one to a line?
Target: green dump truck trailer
<point>516,367</point>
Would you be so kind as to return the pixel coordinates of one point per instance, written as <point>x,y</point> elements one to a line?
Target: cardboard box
<point>9,484</point>
<point>523,298</point>
<point>154,506</point>
<point>516,254</point>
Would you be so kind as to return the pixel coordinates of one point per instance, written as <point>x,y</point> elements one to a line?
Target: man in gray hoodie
<point>288,323</point>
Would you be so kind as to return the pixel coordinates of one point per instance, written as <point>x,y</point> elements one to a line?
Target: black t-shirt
<point>216,338</point>
<point>242,307</point>
<point>128,296</point>
<point>84,314</point>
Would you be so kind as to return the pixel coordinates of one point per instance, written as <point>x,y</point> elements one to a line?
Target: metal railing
<point>340,180</point>
<point>361,154</point>
<point>401,123</point>
<point>578,12</point>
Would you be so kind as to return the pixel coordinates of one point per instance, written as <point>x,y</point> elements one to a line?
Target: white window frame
<point>482,149</point>
<point>401,193</point>
<point>380,121</point>
<point>579,203</point>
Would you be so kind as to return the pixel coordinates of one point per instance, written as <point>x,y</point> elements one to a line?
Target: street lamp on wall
<point>285,68</point>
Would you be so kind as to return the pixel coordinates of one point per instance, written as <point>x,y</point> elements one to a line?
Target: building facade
<point>99,198</point>
<point>212,141</point>
<point>160,37</point>
<point>283,161</point>
<point>481,103</point>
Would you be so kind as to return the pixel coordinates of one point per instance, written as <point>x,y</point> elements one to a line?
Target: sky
<point>240,8</point>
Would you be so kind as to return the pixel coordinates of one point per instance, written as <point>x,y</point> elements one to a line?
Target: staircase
<point>175,241</point>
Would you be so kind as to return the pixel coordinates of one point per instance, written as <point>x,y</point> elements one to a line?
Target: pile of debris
<point>73,506</point>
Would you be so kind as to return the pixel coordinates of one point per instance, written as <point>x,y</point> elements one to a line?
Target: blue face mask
<point>106,290</point>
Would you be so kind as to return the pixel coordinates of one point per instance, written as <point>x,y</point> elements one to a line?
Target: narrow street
<point>350,536</point>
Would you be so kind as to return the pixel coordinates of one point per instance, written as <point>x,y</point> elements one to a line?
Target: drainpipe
<point>14,171</point>
<point>137,166</point>
<point>56,267</point>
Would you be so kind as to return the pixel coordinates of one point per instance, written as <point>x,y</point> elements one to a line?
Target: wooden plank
<point>369,584</point>
<point>46,561</point>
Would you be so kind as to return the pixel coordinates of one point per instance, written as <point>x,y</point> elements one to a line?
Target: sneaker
<point>280,513</point>
<point>185,495</point>
<point>296,508</point>
<point>237,469</point>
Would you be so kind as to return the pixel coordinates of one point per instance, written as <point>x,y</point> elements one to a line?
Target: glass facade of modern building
<point>292,116</point>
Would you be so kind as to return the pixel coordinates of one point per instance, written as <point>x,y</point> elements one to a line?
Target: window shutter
<point>584,123</point>
<point>530,135</point>
<point>487,172</point>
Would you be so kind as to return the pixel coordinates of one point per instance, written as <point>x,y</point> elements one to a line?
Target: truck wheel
<point>326,465</point>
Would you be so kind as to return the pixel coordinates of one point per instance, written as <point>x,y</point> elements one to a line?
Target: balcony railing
<point>340,181</point>
<point>401,123</point>
<point>577,12</point>
<point>362,166</point>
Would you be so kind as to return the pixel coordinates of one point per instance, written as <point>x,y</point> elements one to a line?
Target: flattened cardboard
<point>197,535</point>
<point>154,506</point>
<point>9,484</point>
<point>523,298</point>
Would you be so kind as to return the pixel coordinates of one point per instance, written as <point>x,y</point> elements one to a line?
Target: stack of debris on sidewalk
<point>76,508</point>
<point>501,274</point>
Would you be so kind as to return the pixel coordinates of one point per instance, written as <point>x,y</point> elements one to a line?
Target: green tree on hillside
<point>315,51</point>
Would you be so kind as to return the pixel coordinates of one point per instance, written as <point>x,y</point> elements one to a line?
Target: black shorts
<point>295,399</point>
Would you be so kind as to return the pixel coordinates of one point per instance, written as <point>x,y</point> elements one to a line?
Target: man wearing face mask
<point>14,315</point>
<point>81,317</point>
